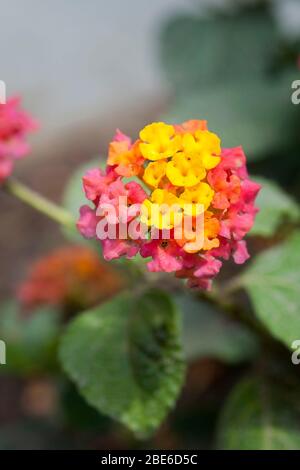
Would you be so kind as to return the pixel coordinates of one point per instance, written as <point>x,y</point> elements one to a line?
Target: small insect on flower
<point>15,125</point>
<point>187,205</point>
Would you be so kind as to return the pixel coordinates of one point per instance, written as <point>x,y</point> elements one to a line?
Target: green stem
<point>231,286</point>
<point>38,202</point>
<point>224,298</point>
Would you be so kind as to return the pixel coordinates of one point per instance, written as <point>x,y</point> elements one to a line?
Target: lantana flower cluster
<point>15,125</point>
<point>175,166</point>
<point>71,276</point>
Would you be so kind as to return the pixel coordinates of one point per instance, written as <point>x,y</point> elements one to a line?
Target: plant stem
<point>38,202</point>
<point>225,299</point>
<point>231,286</point>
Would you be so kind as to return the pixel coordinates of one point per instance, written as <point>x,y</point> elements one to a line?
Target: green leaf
<point>276,207</point>
<point>260,415</point>
<point>30,341</point>
<point>201,52</point>
<point>251,113</point>
<point>272,281</point>
<point>208,333</point>
<point>125,357</point>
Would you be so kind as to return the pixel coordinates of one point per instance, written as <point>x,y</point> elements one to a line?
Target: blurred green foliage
<point>223,68</point>
<point>125,357</point>
<point>276,208</point>
<point>31,342</point>
<point>260,414</point>
<point>272,281</point>
<point>208,333</point>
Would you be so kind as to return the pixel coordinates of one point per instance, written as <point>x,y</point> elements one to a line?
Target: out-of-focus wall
<point>74,58</point>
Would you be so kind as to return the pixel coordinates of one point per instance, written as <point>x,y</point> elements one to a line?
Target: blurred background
<point>84,69</point>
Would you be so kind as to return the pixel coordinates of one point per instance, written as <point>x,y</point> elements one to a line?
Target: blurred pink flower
<point>15,125</point>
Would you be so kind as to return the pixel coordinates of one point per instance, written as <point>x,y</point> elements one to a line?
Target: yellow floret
<point>163,210</point>
<point>210,146</point>
<point>183,170</point>
<point>197,199</point>
<point>159,141</point>
<point>154,172</point>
